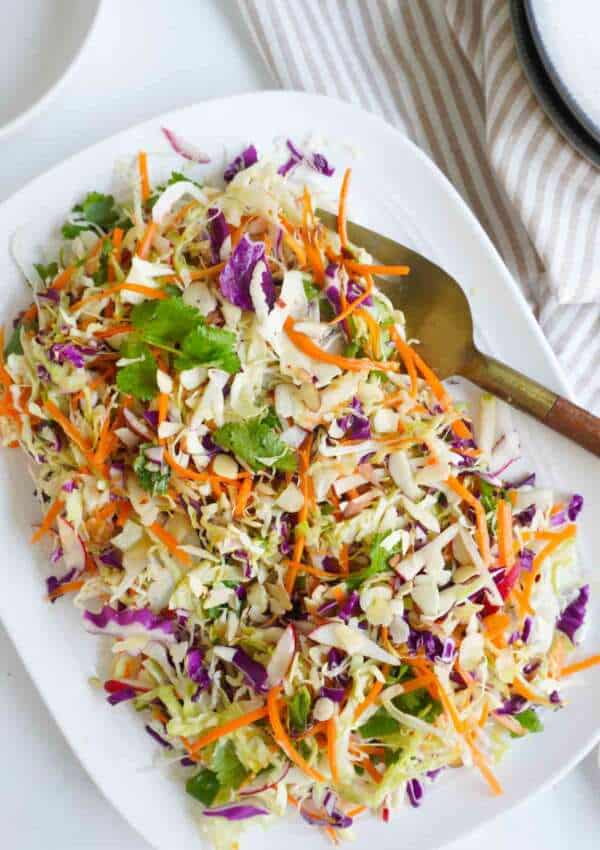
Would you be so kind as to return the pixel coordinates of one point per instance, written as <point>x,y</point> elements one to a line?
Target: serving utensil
<point>438,315</point>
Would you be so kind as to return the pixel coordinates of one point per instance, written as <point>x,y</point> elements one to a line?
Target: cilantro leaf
<point>96,209</point>
<point>13,345</point>
<point>178,177</point>
<point>257,444</point>
<point>46,272</point>
<point>311,290</point>
<point>138,379</point>
<point>228,768</point>
<point>101,275</point>
<point>207,345</point>
<point>153,477</point>
<point>379,725</point>
<point>379,563</point>
<point>204,786</point>
<point>298,709</point>
<point>165,322</point>
<point>529,720</point>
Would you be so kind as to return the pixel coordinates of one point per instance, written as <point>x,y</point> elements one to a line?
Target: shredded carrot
<point>63,279</point>
<point>483,540</point>
<point>243,497</point>
<point>143,172</point>
<point>114,331</point>
<point>117,240</point>
<point>496,624</point>
<point>48,521</point>
<point>105,442</point>
<point>70,430</point>
<point>341,217</point>
<point>68,587</point>
<point>521,688</point>
<point>509,723</point>
<point>193,475</point>
<point>578,666</point>
<point>357,810</point>
<point>369,699</point>
<point>485,711</point>
<point>209,271</point>
<point>170,543</point>
<point>434,382</point>
<point>141,289</point>
<point>305,344</point>
<point>557,540</point>
<point>332,835</point>
<point>362,268</point>
<point>374,331</point>
<point>304,463</point>
<point>30,314</point>
<point>295,247</point>
<point>331,748</point>
<point>345,558</point>
<point>351,307</point>
<point>163,407</point>
<point>123,513</point>
<point>299,567</point>
<point>460,430</point>
<point>407,355</point>
<point>146,241</point>
<point>370,768</point>
<point>282,739</point>
<point>481,763</point>
<point>506,554</point>
<point>226,728</point>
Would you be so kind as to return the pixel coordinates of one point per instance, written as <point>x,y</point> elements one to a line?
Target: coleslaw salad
<point>321,585</point>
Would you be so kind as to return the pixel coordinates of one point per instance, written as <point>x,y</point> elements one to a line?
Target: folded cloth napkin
<point>447,73</point>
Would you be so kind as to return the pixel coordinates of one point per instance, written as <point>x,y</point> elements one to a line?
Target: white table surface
<point>146,57</point>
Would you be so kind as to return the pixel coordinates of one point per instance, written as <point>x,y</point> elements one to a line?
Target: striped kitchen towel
<point>447,73</point>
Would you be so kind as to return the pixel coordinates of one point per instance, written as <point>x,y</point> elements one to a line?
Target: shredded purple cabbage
<point>143,617</point>
<point>247,158</point>
<point>235,811</point>
<point>355,425</point>
<point>350,607</point>
<point>572,618</point>
<point>513,705</point>
<point>53,583</point>
<point>61,352</point>
<point>111,557</point>
<point>236,277</point>
<point>121,695</point>
<point>414,789</point>
<point>315,161</point>
<point>354,290</point>
<point>218,231</point>
<point>254,672</point>
<point>158,738</point>
<point>575,506</point>
<point>334,694</point>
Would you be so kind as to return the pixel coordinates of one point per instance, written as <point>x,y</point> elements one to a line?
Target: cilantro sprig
<point>257,443</point>
<point>97,209</point>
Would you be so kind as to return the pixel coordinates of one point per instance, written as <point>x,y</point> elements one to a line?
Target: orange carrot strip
<point>143,172</point>
<point>114,331</point>
<point>374,331</point>
<point>432,379</point>
<point>364,268</point>
<point>521,688</point>
<point>331,748</point>
<point>557,540</point>
<point>506,554</point>
<point>63,279</point>
<point>497,623</point>
<point>68,587</point>
<point>304,463</point>
<point>305,344</point>
<point>146,241</point>
<point>242,499</point>
<point>282,739</point>
<point>70,430</point>
<point>341,217</point>
<point>117,240</point>
<point>105,442</point>
<point>210,271</point>
<point>298,566</point>
<point>170,543</point>
<point>141,289</point>
<point>350,308</point>
<point>30,314</point>
<point>193,475</point>
<point>163,407</point>
<point>481,763</point>
<point>295,247</point>
<point>460,430</point>
<point>369,699</point>
<point>483,540</point>
<point>368,765</point>
<point>578,666</point>
<point>226,728</point>
<point>345,558</point>
<point>407,355</point>
<point>48,521</point>
<point>357,810</point>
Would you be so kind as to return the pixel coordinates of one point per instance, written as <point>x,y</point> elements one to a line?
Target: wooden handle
<point>576,423</point>
<point>522,392</point>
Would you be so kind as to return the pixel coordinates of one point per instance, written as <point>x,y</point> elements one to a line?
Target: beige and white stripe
<point>447,73</point>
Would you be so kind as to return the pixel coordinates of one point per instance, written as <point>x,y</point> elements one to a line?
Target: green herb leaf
<point>311,290</point>
<point>227,766</point>
<point>298,709</point>
<point>257,444</point>
<point>209,346</point>
<point>165,322</point>
<point>96,209</point>
<point>152,477</point>
<point>13,345</point>
<point>379,725</point>
<point>178,177</point>
<point>529,719</point>
<point>100,276</point>
<point>138,379</point>
<point>204,786</point>
<point>379,562</point>
<point>46,272</point>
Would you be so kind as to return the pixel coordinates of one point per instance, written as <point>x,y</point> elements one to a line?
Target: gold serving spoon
<point>438,315</point>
